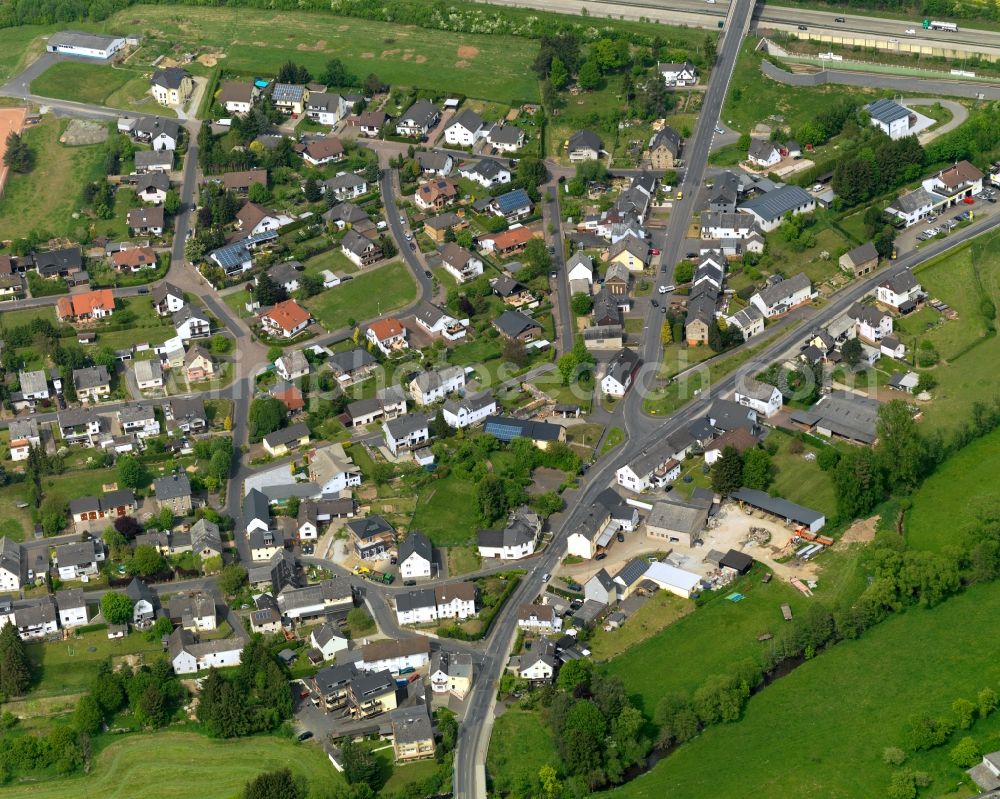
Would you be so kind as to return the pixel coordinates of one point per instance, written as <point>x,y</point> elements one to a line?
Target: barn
<point>88,45</point>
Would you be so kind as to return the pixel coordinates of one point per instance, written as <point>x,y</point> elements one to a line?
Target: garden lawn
<point>520,745</point>
<point>708,641</point>
<point>367,296</point>
<point>446,512</point>
<point>406,773</point>
<point>821,730</point>
<point>800,480</point>
<point>462,560</point>
<point>660,611</point>
<point>219,769</point>
<point>46,198</point>
<point>334,260</point>
<point>67,667</point>
<point>81,81</point>
<point>257,42</point>
<point>950,498</point>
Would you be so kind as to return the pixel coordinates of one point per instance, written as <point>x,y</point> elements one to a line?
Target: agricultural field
<point>821,730</point>
<point>219,768</point>
<point>380,291</point>
<point>954,495</point>
<point>256,42</point>
<point>46,198</point>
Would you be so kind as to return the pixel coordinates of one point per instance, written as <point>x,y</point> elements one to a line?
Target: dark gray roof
<point>777,506</point>
<point>416,542</point>
<point>172,486</point>
<point>584,140</point>
<point>403,426</point>
<point>170,77</point>
<point>886,111</point>
<point>287,434</point>
<point>421,113</point>
<point>771,295</point>
<point>859,255</point>
<point>632,571</point>
<point>419,598</point>
<point>900,282</point>
<point>775,204</point>
<point>369,527</point>
<point>913,200</point>
<point>256,506</point>
<point>667,137</point>
<point>514,323</point>
<point>356,243</point>
<point>623,364</point>
<point>468,119</point>
<point>137,589</point>
<point>90,377</point>
<point>352,360</point>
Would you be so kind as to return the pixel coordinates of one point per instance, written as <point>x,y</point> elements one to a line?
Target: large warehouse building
<point>89,45</point>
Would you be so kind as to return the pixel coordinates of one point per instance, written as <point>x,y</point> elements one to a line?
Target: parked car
<point>654,251</point>
<point>305,736</point>
<point>803,28</point>
<point>621,537</point>
<point>720,130</point>
<point>602,556</point>
<point>839,19</point>
<point>655,303</point>
<point>546,577</point>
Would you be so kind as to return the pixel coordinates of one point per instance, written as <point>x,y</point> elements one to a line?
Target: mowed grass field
<point>948,501</point>
<point>380,291</point>
<point>46,198</point>
<point>820,731</point>
<point>80,81</point>
<point>258,42</point>
<point>173,765</point>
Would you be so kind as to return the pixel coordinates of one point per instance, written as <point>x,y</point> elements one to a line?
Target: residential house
<point>316,514</point>
<point>506,242</point>
<point>437,227</point>
<point>153,161</point>
<point>513,206</point>
<point>139,419</point>
<point>72,608</point>
<point>360,250</point>
<point>159,133</point>
<point>188,656</point>
<point>134,259</point>
<point>915,205</point>
<point>193,610</point>
<point>434,162</point>
<point>171,86</point>
<point>253,219</point>
<point>395,655</point>
<point>206,542</point>
<point>34,386</point>
<point>683,74</point>
<point>900,292</point>
<point>451,673</point>
<point>92,383</point>
<point>370,123</point>
<point>322,599</point>
<point>23,436</point>
<point>604,337</point>
<point>872,324</point>
<point>630,252</point>
<point>388,335</point>
<point>507,428</point>
<point>265,618</point>
<point>145,603</point>
<point>781,297</point>
<point>416,607</point>
<point>346,186</point>
<point>292,365</point>
<point>57,263</point>
<point>186,415</point>
<point>538,619</point>
<point>174,491</point>
<point>406,432</point>
<point>372,537</point>
<point>727,225</point>
<point>289,98</point>
<point>505,138</point>
<point>763,153</point>
<point>325,150</point>
<point>664,148</point>
<point>198,364</point>
<point>418,119</point>
<point>456,600</point>
<point>539,664</point>
<point>619,373</point>
<point>749,321</point>
<point>469,410</point>
<point>86,306</point>
<point>436,193</point>
<point>513,292</point>
<point>167,298</point>
<point>465,129</point>
<point>150,188</point>
<point>328,640</point>
<point>265,544</point>
<point>13,565</point>
<point>860,261</point>
<point>352,365</point>
<point>893,119</point>
<point>580,273</point>
<point>286,319</point>
<point>281,442</point>
<point>772,207</point>
<point>764,398</point>
<point>95,514</point>
<point>79,426</point>
<point>191,323</point>
<point>601,588</point>
<point>238,97</point>
<point>584,145</point>
<point>739,439</point>
<point>37,620</point>
<point>515,325</point>
<point>516,540</point>
<point>438,323</point>
<point>462,264</point>
<point>12,287</point>
<point>435,384</point>
<point>955,183</point>
<point>487,172</point>
<point>326,108</point>
<point>654,467</point>
<point>240,182</point>
<point>416,554</point>
<point>701,312</point>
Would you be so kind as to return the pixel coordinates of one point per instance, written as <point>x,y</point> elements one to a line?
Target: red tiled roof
<point>386,328</point>
<point>288,315</point>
